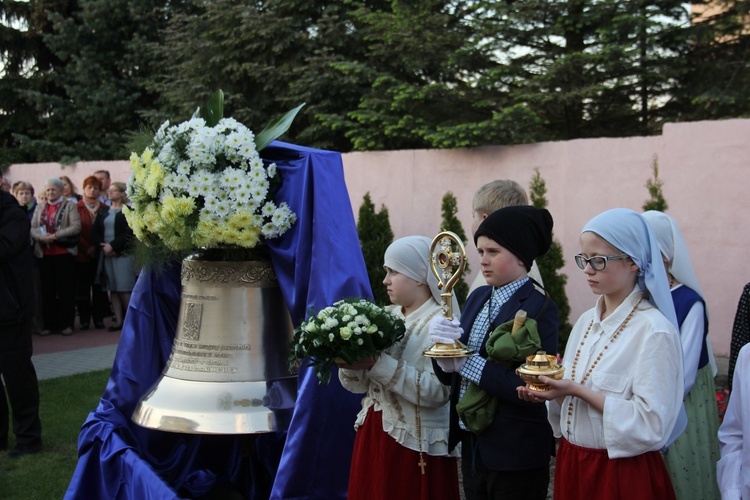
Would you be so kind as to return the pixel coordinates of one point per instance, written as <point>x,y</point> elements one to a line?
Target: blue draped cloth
<point>317,262</point>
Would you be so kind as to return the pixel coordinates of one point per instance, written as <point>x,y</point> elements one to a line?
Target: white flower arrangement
<point>200,186</point>
<point>351,329</point>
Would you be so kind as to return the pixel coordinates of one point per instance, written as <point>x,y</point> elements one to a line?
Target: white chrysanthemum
<point>224,208</point>
<point>257,174</point>
<point>183,168</point>
<point>271,170</point>
<point>211,204</point>
<point>257,163</point>
<point>268,209</point>
<point>232,176</point>
<point>269,230</point>
<point>259,193</point>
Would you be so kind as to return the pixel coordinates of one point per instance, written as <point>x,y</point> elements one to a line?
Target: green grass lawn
<point>65,404</point>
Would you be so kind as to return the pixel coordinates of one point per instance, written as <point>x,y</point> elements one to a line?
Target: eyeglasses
<point>598,263</point>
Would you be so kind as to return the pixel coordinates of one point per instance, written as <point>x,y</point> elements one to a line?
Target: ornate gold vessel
<point>537,365</point>
<point>448,266</point>
<point>228,372</point>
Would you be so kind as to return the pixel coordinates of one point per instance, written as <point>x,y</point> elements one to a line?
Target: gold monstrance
<point>448,266</point>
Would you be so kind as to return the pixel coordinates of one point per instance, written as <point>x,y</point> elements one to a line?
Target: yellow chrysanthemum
<point>249,237</point>
<point>241,219</point>
<point>154,179</point>
<point>147,155</point>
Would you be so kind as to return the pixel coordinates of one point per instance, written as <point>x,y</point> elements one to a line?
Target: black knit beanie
<point>524,230</point>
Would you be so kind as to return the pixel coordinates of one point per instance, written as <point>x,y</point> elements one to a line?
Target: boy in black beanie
<point>509,459</point>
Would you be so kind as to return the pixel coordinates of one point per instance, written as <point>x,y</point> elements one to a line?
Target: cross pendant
<point>422,464</point>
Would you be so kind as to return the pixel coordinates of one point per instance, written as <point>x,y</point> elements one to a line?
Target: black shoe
<point>99,326</point>
<point>115,328</point>
<point>20,450</point>
<point>84,327</point>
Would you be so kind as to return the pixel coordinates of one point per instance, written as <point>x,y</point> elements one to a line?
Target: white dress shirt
<point>733,469</point>
<point>640,373</point>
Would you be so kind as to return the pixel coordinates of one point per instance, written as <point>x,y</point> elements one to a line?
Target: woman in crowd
<point>69,189</point>
<point>116,269</point>
<point>24,193</point>
<point>621,396</point>
<point>90,299</point>
<point>693,474</point>
<point>55,228</point>
<point>401,448</point>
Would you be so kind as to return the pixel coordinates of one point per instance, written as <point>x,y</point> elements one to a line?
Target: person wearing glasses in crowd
<point>621,395</point>
<point>116,268</point>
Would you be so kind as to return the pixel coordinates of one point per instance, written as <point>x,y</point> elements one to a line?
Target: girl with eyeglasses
<point>621,395</point>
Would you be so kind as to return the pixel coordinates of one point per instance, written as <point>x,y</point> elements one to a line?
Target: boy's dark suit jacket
<point>520,436</point>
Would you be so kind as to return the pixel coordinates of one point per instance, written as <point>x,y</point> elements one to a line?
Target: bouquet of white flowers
<point>203,185</point>
<point>351,330</point>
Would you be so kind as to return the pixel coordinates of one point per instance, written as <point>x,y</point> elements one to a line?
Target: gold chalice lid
<point>540,364</point>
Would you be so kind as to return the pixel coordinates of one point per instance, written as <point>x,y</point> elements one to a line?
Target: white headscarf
<point>411,256</point>
<point>628,231</point>
<point>672,246</point>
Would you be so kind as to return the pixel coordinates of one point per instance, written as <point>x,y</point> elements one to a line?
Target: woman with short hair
<point>55,228</point>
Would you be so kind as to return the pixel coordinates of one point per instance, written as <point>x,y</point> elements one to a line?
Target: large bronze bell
<point>228,370</point>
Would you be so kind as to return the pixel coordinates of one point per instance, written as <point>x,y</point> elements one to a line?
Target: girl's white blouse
<point>640,373</point>
<point>391,387</point>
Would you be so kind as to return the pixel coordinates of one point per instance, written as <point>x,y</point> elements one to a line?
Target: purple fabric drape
<point>318,262</point>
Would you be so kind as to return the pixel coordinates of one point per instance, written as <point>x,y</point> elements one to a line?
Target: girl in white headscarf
<point>622,392</point>
<point>401,448</point>
<point>693,474</point>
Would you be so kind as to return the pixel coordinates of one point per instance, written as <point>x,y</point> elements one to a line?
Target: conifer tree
<point>549,263</point>
<point>451,223</point>
<point>375,234</point>
<point>654,186</point>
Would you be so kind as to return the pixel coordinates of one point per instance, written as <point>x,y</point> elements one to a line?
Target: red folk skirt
<point>383,469</point>
<point>589,473</point>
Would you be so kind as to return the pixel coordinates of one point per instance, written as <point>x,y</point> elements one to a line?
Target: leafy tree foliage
<point>715,82</point>
<point>268,57</point>
<point>376,74</point>
<point>92,90</point>
<point>654,186</point>
<point>375,234</point>
<point>549,265</point>
<point>451,223</point>
<point>587,67</point>
<point>421,72</point>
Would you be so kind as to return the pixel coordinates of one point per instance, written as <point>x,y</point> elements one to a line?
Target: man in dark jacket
<point>16,307</point>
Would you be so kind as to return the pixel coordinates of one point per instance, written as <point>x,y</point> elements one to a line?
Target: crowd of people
<point>62,253</point>
<point>82,247</point>
<point>634,415</point>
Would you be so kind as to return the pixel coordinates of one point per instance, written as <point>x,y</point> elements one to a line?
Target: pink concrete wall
<point>703,165</point>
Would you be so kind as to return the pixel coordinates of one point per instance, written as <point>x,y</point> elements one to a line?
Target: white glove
<point>450,365</point>
<point>444,331</point>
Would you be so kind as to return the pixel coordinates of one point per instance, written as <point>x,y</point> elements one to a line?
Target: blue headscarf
<point>629,232</point>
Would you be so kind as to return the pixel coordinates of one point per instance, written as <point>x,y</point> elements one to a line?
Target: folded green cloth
<point>477,407</point>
